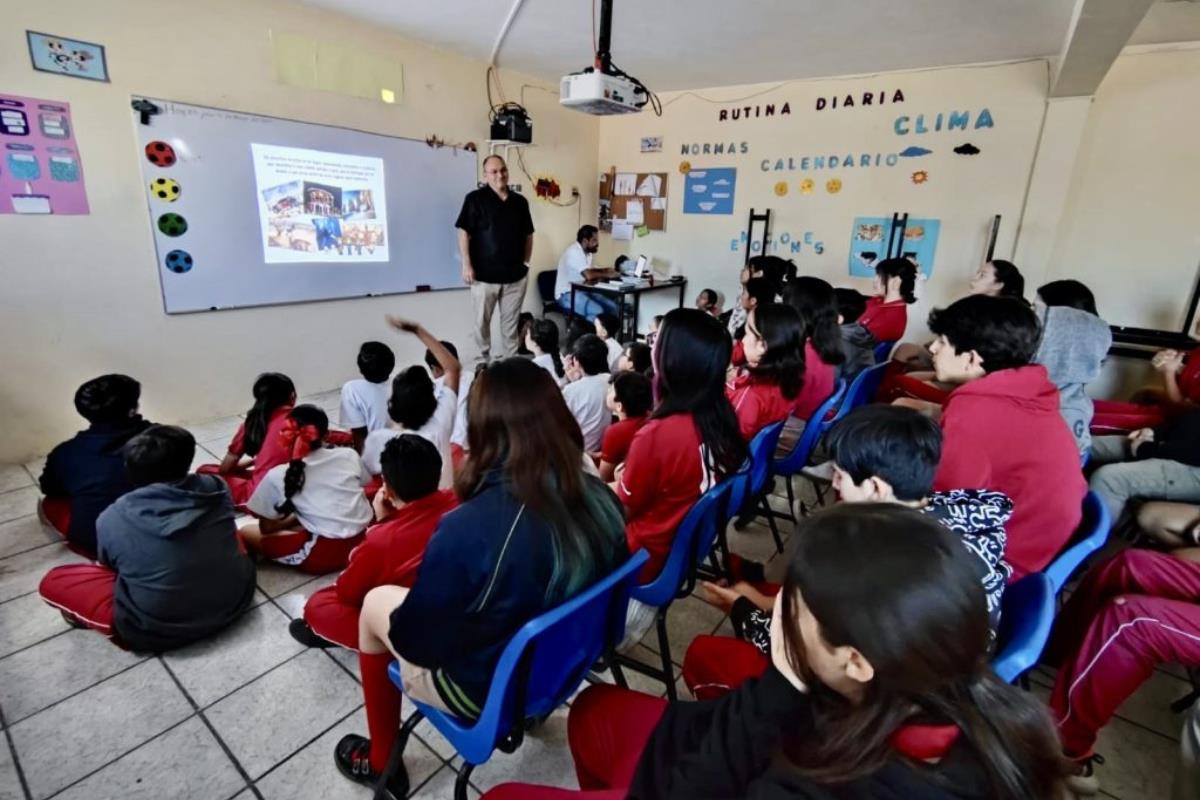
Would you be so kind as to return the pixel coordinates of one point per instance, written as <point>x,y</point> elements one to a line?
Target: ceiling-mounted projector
<point>597,93</point>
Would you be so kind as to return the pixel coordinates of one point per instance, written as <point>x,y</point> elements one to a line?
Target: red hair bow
<point>299,439</point>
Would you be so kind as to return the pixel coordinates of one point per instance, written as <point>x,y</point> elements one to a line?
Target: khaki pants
<point>485,297</point>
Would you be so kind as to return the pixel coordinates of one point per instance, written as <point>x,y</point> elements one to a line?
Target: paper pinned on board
<point>622,230</point>
<point>642,230</point>
<point>626,183</point>
<point>658,203</point>
<point>651,186</point>
<point>635,213</point>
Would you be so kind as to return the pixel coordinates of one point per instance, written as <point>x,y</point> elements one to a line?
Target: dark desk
<point>624,293</point>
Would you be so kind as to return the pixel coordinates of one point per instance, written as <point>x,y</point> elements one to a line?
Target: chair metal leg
<point>618,674</point>
<point>460,783</point>
<point>791,493</point>
<point>396,758</point>
<point>664,650</point>
<point>774,526</point>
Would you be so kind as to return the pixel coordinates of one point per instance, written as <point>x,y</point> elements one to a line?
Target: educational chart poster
<point>317,206</point>
<point>709,191</point>
<point>40,170</point>
<point>869,241</point>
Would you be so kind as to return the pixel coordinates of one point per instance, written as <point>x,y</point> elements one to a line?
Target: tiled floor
<point>252,714</point>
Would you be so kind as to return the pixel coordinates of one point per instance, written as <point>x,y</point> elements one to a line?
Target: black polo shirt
<point>497,230</point>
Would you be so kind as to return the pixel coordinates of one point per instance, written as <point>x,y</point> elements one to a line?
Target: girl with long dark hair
<point>815,302</point>
<point>542,341</point>
<point>255,448</point>
<point>764,390</point>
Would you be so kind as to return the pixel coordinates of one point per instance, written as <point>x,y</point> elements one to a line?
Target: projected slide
<point>320,207</point>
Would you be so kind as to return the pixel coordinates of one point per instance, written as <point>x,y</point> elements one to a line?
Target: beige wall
<point>81,294</point>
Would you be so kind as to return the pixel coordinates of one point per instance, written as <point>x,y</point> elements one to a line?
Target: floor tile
<point>21,573</point>
<point>19,503</point>
<point>27,620</point>
<point>14,476</point>
<point>1150,705</point>
<point>216,666</point>
<point>276,579</point>
<point>97,726</point>
<point>441,787</point>
<point>543,758</point>
<point>312,775</point>
<point>10,782</point>
<point>686,619</point>
<point>347,658</point>
<point>35,468</point>
<point>46,673</point>
<point>217,448</point>
<point>755,542</point>
<point>292,602</point>
<point>23,534</point>
<point>186,761</point>
<point>282,711</point>
<point>1138,763</point>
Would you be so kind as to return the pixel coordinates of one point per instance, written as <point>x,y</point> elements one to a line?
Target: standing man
<point>495,240</point>
<point>575,266</point>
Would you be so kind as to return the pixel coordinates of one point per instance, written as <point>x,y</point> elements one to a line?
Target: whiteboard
<point>213,244</point>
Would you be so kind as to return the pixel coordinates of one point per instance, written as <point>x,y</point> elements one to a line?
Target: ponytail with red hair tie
<point>298,439</point>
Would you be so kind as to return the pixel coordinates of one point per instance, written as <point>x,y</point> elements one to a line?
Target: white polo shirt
<point>571,265</point>
<point>331,502</point>
<point>586,400</point>
<point>437,429</point>
<point>364,404</point>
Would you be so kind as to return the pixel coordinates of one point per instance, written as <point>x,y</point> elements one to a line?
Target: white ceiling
<point>687,44</point>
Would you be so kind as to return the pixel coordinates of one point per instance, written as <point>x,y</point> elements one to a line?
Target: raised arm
<point>444,357</point>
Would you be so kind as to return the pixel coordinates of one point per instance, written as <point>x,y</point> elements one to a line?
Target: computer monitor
<point>642,268</point>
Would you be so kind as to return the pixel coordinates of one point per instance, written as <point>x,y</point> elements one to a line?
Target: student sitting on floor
<point>312,511</point>
<point>170,569</point>
<point>364,400</point>
<point>532,531</point>
<point>407,509</point>
<point>630,397</point>
<point>420,407</point>
<point>608,327</point>
<point>709,302</point>
<point>636,357</point>
<point>542,341</point>
<point>86,473</point>
<point>587,392</point>
<point>764,390</point>
<point>878,688</point>
<point>256,447</point>
<point>458,438</point>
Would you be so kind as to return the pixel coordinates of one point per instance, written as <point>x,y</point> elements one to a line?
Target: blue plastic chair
<point>539,670</point>
<point>818,425</point>
<point>1091,536</point>
<point>883,352</point>
<point>862,390</point>
<point>1026,616</point>
<point>762,459</point>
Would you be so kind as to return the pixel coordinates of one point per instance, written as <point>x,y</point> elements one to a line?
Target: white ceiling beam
<point>1099,30</point>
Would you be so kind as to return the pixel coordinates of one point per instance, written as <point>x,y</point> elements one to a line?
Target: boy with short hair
<point>170,569</point>
<point>1002,425</point>
<point>407,511</point>
<point>630,397</point>
<point>86,473</point>
<point>587,393</point>
<point>364,400</point>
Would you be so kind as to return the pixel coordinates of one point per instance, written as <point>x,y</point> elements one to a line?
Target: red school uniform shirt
<point>617,439</point>
<point>1189,376</point>
<point>392,550</point>
<point>1004,432</point>
<point>665,473</point>
<point>757,402</point>
<point>271,454</point>
<point>885,321</point>
<point>819,380</point>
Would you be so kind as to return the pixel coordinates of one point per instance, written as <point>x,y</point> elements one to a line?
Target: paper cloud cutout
<point>914,151</point>
<point>721,182</point>
<point>967,149</point>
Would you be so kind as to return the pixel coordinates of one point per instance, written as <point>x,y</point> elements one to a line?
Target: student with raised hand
<point>256,447</point>
<point>608,327</point>
<point>630,397</point>
<point>312,511</point>
<point>86,473</point>
<point>764,390</point>
<point>458,438</point>
<point>879,687</point>
<point>587,392</point>
<point>169,569</point>
<point>418,406</point>
<point>408,507</point>
<point>533,531</point>
<point>364,400</point>
<point>542,341</point>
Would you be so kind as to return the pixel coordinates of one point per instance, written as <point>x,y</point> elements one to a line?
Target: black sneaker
<point>353,758</point>
<point>303,634</point>
<point>73,621</point>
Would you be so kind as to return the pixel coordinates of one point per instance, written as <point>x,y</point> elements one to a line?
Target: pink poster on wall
<point>40,169</point>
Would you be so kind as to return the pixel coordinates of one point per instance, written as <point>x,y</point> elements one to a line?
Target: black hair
<point>1069,293</point>
<point>814,301</point>
<point>412,466</point>
<point>431,360</point>
<point>1003,331</point>
<point>272,391</point>
<point>586,232</point>
<point>293,479</point>
<point>159,454</point>
<point>545,335</point>
<point>775,269</point>
<point>591,353</point>
<point>376,361</point>
<point>634,392</point>
<point>761,289</point>
<point>658,319</point>
<point>711,296</point>
<point>903,269</point>
<point>413,400</point>
<point>783,364</point>
<point>691,355</point>
<point>851,304</point>
<point>110,398</point>
<point>898,445</point>
<point>576,328</point>
<point>609,322</point>
<point>640,357</point>
<point>1009,277</point>
<point>524,323</point>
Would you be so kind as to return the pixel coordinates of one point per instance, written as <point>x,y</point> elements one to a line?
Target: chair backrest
<point>862,390</point>
<point>762,454</point>
<point>693,540</point>
<point>545,284</point>
<point>545,662</point>
<point>814,429</point>
<point>882,351</point>
<point>1026,616</point>
<point>1090,537</point>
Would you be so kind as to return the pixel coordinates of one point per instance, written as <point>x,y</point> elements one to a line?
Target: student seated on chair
<point>85,474</point>
<point>814,301</point>
<point>364,400</point>
<point>1179,390</point>
<point>630,397</point>
<point>878,688</point>
<point>768,378</point>
<point>407,509</point>
<point>170,570</point>
<point>532,532</point>
<point>575,266</point>
<point>709,302</point>
<point>587,392</point>
<point>885,316</point>
<point>775,270</point>
<point>881,454</point>
<point>1001,425</point>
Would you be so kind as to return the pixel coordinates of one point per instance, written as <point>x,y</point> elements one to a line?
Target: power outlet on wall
<point>574,191</point>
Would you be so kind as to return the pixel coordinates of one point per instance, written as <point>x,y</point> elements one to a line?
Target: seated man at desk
<point>575,266</point>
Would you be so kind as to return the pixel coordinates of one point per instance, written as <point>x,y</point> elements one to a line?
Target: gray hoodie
<point>181,575</point>
<point>1073,347</point>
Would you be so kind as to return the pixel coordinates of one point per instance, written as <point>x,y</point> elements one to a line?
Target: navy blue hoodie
<point>180,572</point>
